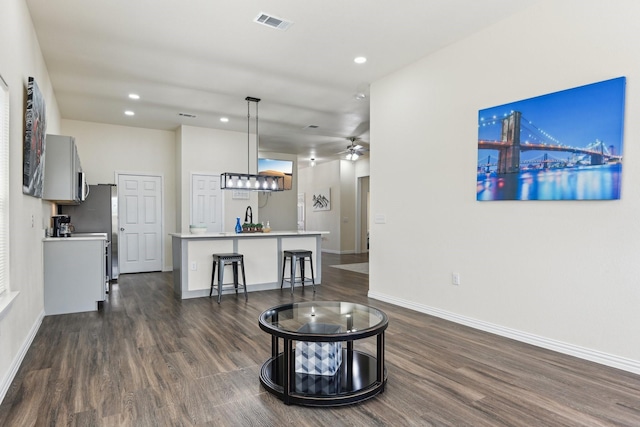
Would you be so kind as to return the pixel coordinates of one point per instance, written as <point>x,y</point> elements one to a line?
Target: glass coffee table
<point>318,370</point>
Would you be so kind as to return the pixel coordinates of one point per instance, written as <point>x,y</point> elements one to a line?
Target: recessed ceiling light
<point>360,60</point>
<point>224,119</point>
<point>134,96</point>
<point>129,113</point>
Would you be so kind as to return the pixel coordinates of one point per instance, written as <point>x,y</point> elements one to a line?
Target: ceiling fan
<point>354,150</point>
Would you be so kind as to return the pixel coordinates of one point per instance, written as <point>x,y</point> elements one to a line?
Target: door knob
<point>121,229</point>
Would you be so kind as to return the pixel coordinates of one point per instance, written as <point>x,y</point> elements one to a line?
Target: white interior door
<point>206,201</point>
<point>140,222</point>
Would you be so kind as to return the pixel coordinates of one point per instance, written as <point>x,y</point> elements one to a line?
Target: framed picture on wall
<point>321,200</point>
<point>565,145</point>
<point>34,141</point>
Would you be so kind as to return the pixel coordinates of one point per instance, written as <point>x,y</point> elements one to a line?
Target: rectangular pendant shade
<point>251,182</point>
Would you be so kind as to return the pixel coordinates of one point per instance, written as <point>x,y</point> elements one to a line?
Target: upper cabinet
<point>64,181</point>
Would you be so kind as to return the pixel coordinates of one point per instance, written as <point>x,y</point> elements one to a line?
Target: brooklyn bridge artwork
<point>561,146</point>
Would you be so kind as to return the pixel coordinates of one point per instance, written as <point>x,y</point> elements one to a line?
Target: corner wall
<point>322,176</point>
<point>562,274</point>
<point>20,57</point>
<point>341,177</point>
<point>106,149</point>
<point>212,151</point>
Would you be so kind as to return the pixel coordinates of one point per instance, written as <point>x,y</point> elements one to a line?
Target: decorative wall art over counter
<point>565,145</point>
<point>321,200</point>
<point>34,140</point>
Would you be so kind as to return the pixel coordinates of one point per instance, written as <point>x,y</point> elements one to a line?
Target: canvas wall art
<point>565,145</point>
<point>34,141</point>
<point>321,200</point>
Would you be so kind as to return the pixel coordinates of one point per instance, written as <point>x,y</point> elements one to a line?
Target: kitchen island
<point>192,261</point>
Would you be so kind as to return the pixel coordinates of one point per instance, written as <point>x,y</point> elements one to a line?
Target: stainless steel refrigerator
<point>99,214</point>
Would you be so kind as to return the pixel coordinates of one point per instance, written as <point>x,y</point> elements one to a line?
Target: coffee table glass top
<point>323,319</point>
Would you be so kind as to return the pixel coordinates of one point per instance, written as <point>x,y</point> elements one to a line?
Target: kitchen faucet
<point>248,215</point>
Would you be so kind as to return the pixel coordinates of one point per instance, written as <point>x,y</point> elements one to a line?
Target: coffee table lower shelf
<point>355,381</point>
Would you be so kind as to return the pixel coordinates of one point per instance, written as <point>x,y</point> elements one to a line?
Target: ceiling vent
<point>189,115</point>
<point>312,127</point>
<point>272,21</point>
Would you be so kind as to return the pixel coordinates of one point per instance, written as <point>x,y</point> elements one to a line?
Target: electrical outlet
<point>455,278</point>
<point>194,265</point>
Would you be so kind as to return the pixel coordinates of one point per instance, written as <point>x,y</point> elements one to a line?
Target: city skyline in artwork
<point>566,145</point>
<point>34,141</point>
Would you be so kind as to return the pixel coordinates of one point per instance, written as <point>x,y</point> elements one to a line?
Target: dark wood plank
<point>147,359</point>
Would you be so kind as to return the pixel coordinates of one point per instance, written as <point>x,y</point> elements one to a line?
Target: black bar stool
<point>294,255</point>
<point>230,258</point>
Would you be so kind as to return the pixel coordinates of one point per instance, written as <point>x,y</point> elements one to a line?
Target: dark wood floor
<point>147,359</point>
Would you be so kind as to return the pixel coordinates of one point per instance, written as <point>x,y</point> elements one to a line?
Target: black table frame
<point>277,373</point>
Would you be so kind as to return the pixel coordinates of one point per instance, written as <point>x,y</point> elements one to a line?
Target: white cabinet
<point>74,274</point>
<point>63,177</point>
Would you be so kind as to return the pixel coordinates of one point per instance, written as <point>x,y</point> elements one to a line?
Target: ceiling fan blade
<point>361,128</point>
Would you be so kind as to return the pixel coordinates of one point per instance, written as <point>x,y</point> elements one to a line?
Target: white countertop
<point>228,234</point>
<point>78,236</point>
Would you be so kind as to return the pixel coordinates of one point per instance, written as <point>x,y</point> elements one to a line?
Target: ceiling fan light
<point>354,157</point>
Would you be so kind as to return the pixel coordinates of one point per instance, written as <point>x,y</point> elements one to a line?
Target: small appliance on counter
<point>61,225</point>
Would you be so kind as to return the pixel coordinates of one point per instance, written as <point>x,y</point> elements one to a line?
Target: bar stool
<point>229,258</point>
<point>294,255</point>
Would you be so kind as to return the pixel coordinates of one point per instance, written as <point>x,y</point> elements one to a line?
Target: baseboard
<point>17,361</point>
<point>331,251</point>
<point>602,358</point>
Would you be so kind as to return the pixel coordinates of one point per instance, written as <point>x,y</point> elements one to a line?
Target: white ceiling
<point>204,57</point>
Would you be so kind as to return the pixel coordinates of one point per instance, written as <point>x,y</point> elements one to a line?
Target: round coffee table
<point>317,370</point>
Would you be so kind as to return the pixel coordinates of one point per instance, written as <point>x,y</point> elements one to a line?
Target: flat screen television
<point>278,168</point>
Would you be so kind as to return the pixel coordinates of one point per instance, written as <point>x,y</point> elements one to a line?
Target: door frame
<point>222,199</point>
<point>162,213</point>
<point>361,213</point>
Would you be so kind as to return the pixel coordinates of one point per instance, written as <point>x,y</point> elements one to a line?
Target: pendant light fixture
<point>248,181</point>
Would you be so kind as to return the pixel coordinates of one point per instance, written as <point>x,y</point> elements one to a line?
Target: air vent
<point>312,127</point>
<point>189,115</point>
<point>272,21</point>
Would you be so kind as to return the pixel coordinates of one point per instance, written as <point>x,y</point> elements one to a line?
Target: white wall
<point>322,176</point>
<point>560,274</point>
<point>20,57</point>
<point>212,151</point>
<point>107,149</point>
